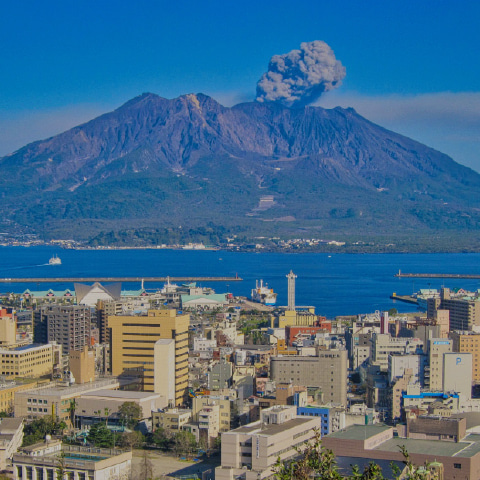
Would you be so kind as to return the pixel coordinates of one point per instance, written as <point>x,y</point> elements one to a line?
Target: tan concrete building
<point>55,399</point>
<point>436,348</point>
<point>224,407</point>
<point>8,329</point>
<point>8,391</point>
<point>99,404</point>
<point>294,318</point>
<point>328,370</point>
<point>30,361</point>
<point>172,419</point>
<point>41,461</point>
<point>11,437</point>
<point>252,450</point>
<point>82,365</point>
<point>134,350</point>
<point>468,342</point>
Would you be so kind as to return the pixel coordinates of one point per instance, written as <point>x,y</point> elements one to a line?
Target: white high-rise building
<point>291,290</point>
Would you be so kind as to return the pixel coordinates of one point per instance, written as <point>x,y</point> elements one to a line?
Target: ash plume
<point>298,78</point>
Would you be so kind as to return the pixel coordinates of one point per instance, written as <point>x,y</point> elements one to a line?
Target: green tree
<point>184,443</point>
<point>162,438</point>
<point>36,430</point>
<point>71,410</point>
<point>130,439</point>
<point>130,413</point>
<point>100,435</point>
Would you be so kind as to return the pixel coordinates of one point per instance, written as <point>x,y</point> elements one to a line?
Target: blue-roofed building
<point>332,418</point>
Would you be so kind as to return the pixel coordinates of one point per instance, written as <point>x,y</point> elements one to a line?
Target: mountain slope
<point>256,168</point>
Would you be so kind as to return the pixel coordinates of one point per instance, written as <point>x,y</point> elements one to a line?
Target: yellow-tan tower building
<point>140,346</point>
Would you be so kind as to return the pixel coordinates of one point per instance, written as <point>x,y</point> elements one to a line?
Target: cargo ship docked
<point>262,294</point>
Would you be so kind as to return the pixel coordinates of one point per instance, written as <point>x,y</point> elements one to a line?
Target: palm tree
<point>107,412</point>
<point>71,409</point>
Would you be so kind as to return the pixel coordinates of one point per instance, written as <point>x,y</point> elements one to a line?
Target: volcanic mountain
<point>191,165</point>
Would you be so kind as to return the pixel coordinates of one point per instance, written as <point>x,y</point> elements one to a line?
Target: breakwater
<point>119,279</point>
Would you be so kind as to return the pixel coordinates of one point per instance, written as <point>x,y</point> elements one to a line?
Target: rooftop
<point>126,394</point>
<point>360,432</point>
<point>72,390</point>
<point>258,428</point>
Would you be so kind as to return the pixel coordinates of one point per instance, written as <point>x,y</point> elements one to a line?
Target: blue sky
<point>411,66</point>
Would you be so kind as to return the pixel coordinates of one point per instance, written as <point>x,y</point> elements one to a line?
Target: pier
<point>119,279</point>
<point>400,274</point>
<point>404,298</point>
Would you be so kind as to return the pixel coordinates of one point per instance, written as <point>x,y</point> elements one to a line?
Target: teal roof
<point>49,293</point>
<point>132,293</point>
<point>217,297</point>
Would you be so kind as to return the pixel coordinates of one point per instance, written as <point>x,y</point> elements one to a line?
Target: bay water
<point>336,284</point>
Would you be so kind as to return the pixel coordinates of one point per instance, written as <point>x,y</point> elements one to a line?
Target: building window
<point>457,465</point>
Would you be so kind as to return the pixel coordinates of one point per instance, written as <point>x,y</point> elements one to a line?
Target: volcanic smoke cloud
<point>298,78</point>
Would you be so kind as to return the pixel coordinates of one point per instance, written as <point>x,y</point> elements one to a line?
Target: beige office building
<point>468,342</point>
<point>252,450</point>
<point>154,347</point>
<point>30,361</point>
<point>328,371</point>
<point>434,374</point>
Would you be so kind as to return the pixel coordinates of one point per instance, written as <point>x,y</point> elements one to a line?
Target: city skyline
<point>408,67</point>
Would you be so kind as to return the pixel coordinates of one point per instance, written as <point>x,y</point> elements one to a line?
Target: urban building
<point>8,329</point>
<point>55,400</point>
<point>459,460</point>
<point>90,295</point>
<point>93,406</point>
<point>44,460</point>
<point>68,325</point>
<point>172,419</point>
<point>332,418</point>
<point>31,361</point>
<point>384,345</point>
<point>11,437</point>
<point>82,365</point>
<point>468,342</point>
<point>154,347</point>
<point>8,389</point>
<point>464,312</point>
<point>252,450</point>
<point>220,377</point>
<point>327,370</point>
<point>224,403</point>
<point>457,374</point>
<point>437,347</point>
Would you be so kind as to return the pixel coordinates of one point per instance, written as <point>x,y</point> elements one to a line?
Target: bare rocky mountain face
<point>253,169</point>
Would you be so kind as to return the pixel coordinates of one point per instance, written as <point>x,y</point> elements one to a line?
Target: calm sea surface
<point>336,285</point>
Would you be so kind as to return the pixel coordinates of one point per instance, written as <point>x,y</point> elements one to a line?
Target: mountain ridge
<point>192,161</point>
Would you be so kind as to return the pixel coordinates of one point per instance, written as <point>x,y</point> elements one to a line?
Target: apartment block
<point>171,419</point>
<point>154,347</point>
<point>68,325</point>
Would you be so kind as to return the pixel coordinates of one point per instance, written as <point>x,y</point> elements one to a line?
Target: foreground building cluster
<point>260,383</point>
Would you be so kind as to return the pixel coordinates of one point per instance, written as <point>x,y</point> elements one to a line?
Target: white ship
<point>262,294</point>
<point>55,261</point>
